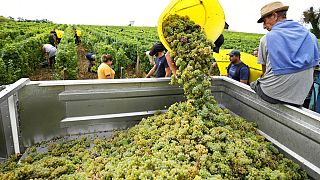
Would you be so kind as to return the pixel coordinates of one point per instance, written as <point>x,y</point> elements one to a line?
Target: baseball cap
<point>234,53</point>
<point>157,47</point>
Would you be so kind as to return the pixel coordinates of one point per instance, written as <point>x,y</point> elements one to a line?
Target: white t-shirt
<point>48,48</point>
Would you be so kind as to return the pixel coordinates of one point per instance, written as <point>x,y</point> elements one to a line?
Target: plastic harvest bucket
<point>206,13</point>
<point>78,32</point>
<point>59,33</point>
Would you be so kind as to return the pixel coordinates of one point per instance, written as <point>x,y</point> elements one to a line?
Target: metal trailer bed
<point>36,111</point>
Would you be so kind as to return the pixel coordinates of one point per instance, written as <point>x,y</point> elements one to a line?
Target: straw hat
<point>270,8</point>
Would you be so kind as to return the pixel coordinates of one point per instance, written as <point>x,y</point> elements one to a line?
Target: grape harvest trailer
<point>36,111</point>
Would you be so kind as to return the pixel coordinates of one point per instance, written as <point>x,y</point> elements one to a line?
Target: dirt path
<point>42,74</point>
<point>83,65</point>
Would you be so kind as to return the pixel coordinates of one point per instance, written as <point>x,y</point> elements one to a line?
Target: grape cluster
<point>195,139</point>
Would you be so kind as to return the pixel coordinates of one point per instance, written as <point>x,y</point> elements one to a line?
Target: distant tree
<point>3,19</point>
<point>312,16</point>
<point>21,19</point>
<point>11,18</point>
<point>45,21</point>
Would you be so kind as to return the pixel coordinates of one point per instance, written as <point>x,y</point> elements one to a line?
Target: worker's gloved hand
<point>218,43</point>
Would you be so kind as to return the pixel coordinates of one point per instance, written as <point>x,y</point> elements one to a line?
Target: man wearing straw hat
<point>288,52</point>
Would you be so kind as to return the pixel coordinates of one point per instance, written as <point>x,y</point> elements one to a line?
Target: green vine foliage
<point>244,42</point>
<point>3,71</point>
<point>20,48</point>
<point>129,44</point>
<point>66,66</point>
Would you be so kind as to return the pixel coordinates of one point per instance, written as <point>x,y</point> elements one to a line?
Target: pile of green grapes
<point>195,139</point>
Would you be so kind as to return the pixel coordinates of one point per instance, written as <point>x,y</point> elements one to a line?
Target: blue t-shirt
<point>244,72</point>
<point>161,65</point>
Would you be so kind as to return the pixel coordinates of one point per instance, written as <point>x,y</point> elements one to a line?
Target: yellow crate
<point>206,13</point>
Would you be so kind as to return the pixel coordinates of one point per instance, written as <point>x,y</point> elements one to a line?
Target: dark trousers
<point>90,65</point>
<point>52,60</point>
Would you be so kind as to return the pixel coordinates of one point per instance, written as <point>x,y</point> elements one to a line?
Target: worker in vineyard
<point>77,37</point>
<point>59,35</point>
<point>53,38</point>
<point>237,70</point>
<point>160,67</point>
<point>289,71</point>
<point>91,57</point>
<point>104,70</point>
<point>50,53</point>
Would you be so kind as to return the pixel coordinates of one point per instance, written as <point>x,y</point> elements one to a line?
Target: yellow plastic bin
<point>59,33</point>
<point>78,32</point>
<point>206,13</point>
<point>223,62</point>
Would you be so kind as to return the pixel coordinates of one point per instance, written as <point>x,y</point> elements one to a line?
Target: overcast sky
<point>241,15</point>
